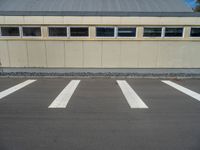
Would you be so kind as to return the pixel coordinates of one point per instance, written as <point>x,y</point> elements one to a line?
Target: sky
<point>191,2</point>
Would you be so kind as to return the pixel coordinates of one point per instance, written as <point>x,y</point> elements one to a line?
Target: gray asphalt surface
<point>98,116</point>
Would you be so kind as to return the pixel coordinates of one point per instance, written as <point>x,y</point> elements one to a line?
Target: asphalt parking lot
<point>99,114</point>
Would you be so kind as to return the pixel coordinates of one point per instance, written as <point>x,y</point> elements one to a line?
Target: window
<point>105,31</point>
<point>173,32</point>
<point>31,31</point>
<point>195,32</point>
<point>152,32</point>
<point>79,31</point>
<point>58,31</point>
<point>126,32</point>
<point>10,31</point>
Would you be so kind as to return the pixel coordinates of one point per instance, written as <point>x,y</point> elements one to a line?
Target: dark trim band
<point>85,13</point>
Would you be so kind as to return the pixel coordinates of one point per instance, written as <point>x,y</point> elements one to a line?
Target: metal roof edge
<point>115,14</point>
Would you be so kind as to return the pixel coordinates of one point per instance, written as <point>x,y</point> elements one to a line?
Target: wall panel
<point>14,20</point>
<point>53,20</point>
<point>148,54</point>
<point>4,54</point>
<point>150,21</point>
<point>91,20</point>
<point>55,51</point>
<point>110,20</point>
<point>18,53</point>
<point>73,20</point>
<point>111,54</point>
<point>74,54</point>
<point>130,20</point>
<point>2,19</point>
<point>191,57</point>
<point>92,54</point>
<point>129,54</point>
<point>174,54</point>
<point>33,19</point>
<point>36,53</point>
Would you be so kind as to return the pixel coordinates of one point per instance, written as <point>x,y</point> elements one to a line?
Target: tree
<point>197,8</point>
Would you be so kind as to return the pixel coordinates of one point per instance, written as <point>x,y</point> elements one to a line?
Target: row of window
<point>63,31</point>
<point>36,31</point>
<point>100,31</point>
<point>166,32</point>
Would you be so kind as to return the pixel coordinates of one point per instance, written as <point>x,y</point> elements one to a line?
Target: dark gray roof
<point>95,7</point>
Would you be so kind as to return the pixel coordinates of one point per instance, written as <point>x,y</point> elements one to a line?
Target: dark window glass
<point>126,32</point>
<point>79,31</point>
<point>105,32</point>
<point>195,32</point>
<point>31,31</point>
<point>10,31</point>
<point>152,32</point>
<point>173,32</point>
<point>57,31</point>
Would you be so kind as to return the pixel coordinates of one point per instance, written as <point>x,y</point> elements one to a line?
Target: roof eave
<point>77,13</point>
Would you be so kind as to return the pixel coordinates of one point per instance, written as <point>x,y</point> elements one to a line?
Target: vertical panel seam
<point>158,59</point>
<point>157,53</point>
<point>138,53</point>
<point>120,57</point>
<point>8,53</point>
<point>27,54</point>
<point>101,53</point>
<point>64,54</point>
<point>83,54</point>
<point>46,53</point>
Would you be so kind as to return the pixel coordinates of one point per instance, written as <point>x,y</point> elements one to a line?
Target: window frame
<point>69,32</point>
<point>104,37</point>
<point>147,37</point>
<point>191,31</point>
<point>41,36</point>
<point>180,37</point>
<point>11,37</point>
<point>126,37</point>
<point>58,27</point>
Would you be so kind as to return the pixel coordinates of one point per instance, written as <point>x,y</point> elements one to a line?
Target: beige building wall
<point>92,54</point>
<point>101,53</point>
<point>55,53</point>
<point>74,54</point>
<point>76,20</point>
<point>36,53</point>
<point>18,54</point>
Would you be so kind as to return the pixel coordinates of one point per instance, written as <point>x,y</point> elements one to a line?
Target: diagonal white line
<point>15,88</point>
<point>131,96</point>
<point>63,98</point>
<point>183,89</point>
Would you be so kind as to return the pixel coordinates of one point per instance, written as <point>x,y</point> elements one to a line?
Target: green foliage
<point>197,9</point>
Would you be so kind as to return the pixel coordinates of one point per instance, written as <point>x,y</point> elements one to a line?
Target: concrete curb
<point>130,73</point>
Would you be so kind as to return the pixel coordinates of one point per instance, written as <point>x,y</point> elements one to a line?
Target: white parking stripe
<point>15,88</point>
<point>183,89</point>
<point>133,99</point>
<point>63,98</point>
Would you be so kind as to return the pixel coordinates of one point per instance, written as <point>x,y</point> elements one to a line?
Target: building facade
<point>144,34</point>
